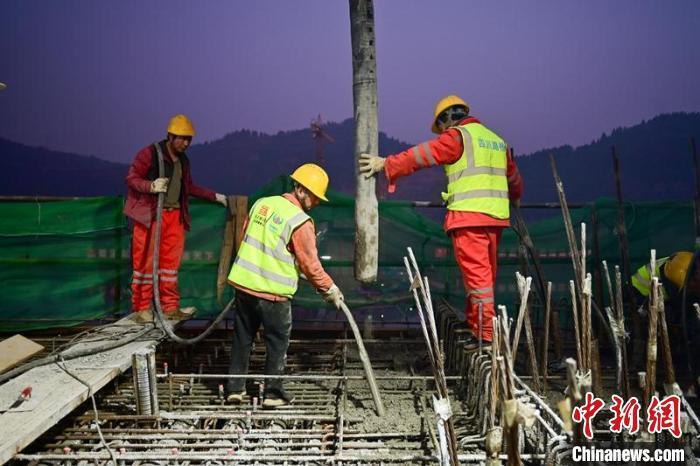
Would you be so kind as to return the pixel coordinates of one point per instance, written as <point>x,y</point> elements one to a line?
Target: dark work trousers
<point>276,318</point>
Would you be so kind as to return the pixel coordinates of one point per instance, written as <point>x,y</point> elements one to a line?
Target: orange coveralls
<point>475,235</point>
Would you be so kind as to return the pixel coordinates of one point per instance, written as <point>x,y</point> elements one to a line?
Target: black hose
<point>156,291</point>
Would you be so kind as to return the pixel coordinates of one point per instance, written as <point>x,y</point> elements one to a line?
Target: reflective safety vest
<point>641,280</point>
<point>263,262</point>
<point>477,182</point>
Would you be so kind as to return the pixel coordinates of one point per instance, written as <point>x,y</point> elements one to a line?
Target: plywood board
<point>15,350</point>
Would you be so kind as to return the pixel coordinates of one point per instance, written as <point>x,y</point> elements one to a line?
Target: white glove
<point>334,295</point>
<point>371,164</point>
<point>221,199</point>
<point>159,185</point>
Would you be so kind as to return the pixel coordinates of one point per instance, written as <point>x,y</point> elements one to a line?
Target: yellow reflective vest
<point>477,182</point>
<point>263,262</point>
<point>641,280</point>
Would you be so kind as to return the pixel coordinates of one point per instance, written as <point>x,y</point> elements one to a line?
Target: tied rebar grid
<point>331,421</point>
<point>480,390</point>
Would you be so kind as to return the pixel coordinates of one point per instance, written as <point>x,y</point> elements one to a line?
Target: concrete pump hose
<point>366,364</point>
<point>156,292</point>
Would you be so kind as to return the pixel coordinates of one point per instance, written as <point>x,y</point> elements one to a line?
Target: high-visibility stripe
<point>643,281</point>
<point>141,274</point>
<point>142,281</point>
<point>475,171</point>
<point>169,271</point>
<point>419,159</point>
<point>293,223</point>
<point>478,193</point>
<point>468,146</point>
<point>481,300</point>
<point>168,279</point>
<point>480,290</point>
<point>264,273</point>
<point>429,154</point>
<point>277,253</point>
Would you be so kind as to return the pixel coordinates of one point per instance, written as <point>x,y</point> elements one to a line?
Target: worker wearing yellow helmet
<point>672,272</point>
<point>144,184</point>
<point>279,244</point>
<point>481,180</point>
<point>678,274</point>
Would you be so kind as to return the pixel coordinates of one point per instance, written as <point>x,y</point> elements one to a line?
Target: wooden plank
<point>241,218</point>
<point>60,393</point>
<point>15,350</point>
<point>226,250</point>
<point>233,235</point>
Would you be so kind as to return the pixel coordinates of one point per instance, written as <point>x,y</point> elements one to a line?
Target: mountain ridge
<point>654,157</point>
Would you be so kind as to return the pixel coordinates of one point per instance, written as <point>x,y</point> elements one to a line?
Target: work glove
<point>221,199</point>
<point>334,295</point>
<point>371,164</point>
<point>159,185</point>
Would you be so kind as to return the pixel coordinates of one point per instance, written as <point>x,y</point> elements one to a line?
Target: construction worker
<point>673,271</point>
<point>279,243</point>
<point>144,184</point>
<point>481,178</point>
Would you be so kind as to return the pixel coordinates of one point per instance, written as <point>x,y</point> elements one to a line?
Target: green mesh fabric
<point>65,262</point>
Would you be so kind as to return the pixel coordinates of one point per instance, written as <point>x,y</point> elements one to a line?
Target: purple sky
<point>102,78</point>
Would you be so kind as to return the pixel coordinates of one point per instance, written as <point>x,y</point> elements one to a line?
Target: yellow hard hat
<point>180,125</point>
<point>677,267</point>
<point>313,178</point>
<point>444,104</point>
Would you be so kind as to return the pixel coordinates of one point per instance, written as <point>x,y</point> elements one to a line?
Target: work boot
<point>142,317</point>
<point>184,313</point>
<point>471,343</point>
<point>277,397</point>
<point>235,398</point>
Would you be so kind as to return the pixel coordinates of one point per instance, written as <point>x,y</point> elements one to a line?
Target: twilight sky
<point>102,78</point>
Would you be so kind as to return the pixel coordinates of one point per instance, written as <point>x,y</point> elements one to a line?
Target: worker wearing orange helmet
<point>481,180</point>
<point>279,244</point>
<point>144,184</point>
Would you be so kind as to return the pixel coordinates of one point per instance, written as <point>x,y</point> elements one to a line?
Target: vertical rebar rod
<point>524,291</point>
<point>650,381</point>
<point>545,345</point>
<point>624,257</point>
<point>574,311</point>
<point>573,248</point>
<point>619,310</point>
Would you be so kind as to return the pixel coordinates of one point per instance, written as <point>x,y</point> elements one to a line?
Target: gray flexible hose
<point>156,291</point>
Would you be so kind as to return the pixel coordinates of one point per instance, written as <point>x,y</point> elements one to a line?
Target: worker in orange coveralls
<point>145,183</point>
<point>481,180</point>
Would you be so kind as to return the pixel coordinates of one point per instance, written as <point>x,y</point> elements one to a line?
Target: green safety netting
<point>65,262</point>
